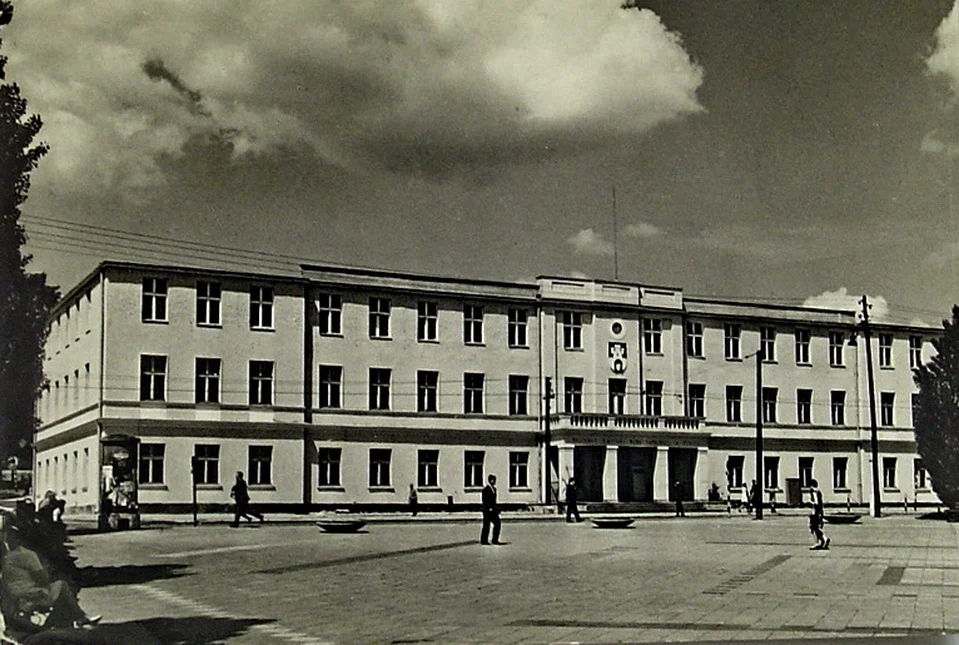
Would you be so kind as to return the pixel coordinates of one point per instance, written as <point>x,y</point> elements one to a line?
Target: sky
<point>794,152</point>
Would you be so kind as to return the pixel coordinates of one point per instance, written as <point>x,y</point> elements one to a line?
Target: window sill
<point>520,489</point>
<point>734,359</point>
<point>428,341</point>
<point>266,487</point>
<point>150,321</point>
<point>324,408</point>
<point>699,357</point>
<point>331,489</point>
<point>803,364</point>
<point>648,353</point>
<point>842,490</point>
<point>381,338</point>
<point>472,489</point>
<point>382,489</point>
<point>330,334</point>
<point>890,490</point>
<point>770,362</point>
<point>209,487</point>
<point>519,346</point>
<point>924,489</point>
<point>270,329</point>
<point>156,487</point>
<point>209,325</point>
<point>572,349</point>
<point>472,344</point>
<point>429,489</point>
<point>837,366</point>
<point>888,368</point>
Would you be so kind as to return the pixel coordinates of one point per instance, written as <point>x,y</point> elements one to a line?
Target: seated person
<point>29,589</point>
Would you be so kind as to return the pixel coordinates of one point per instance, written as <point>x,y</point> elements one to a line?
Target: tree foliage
<point>25,298</point>
<point>937,413</point>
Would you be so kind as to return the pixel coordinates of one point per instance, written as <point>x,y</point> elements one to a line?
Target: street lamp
<point>874,432</point>
<point>759,428</point>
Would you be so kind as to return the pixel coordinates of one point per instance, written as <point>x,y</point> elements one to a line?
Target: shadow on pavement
<point>195,630</point>
<point>129,574</point>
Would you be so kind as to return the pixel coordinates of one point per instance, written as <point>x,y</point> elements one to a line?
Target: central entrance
<point>636,469</point>
<point>588,465</point>
<point>682,467</point>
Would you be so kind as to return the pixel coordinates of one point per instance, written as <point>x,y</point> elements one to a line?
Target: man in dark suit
<point>490,512</point>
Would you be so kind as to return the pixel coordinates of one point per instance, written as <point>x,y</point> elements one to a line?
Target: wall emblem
<point>617,357</point>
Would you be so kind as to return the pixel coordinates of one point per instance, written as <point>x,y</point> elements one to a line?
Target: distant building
<point>339,387</point>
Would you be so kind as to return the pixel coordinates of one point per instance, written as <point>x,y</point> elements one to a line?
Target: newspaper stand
<point>119,508</point>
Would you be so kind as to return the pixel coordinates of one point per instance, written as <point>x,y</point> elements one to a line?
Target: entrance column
<point>701,474</point>
<point>611,475</point>
<point>661,475</point>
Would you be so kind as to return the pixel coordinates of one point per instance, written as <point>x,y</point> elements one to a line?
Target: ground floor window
<point>805,472</point>
<point>427,468</point>
<point>734,471</point>
<point>329,460</point>
<point>889,472</point>
<point>151,463</point>
<point>519,470</point>
<point>380,459</point>
<point>260,465</point>
<point>771,472</point>
<point>920,475</point>
<point>207,463</point>
<point>473,468</point>
<point>839,465</point>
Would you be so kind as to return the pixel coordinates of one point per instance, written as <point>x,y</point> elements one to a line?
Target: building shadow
<point>192,630</point>
<point>130,574</point>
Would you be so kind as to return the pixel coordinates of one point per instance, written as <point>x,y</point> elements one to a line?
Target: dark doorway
<point>682,466</point>
<point>588,465</point>
<point>636,468</point>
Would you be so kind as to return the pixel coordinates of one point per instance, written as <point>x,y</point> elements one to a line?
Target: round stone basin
<point>612,522</point>
<point>842,518</point>
<point>341,526</point>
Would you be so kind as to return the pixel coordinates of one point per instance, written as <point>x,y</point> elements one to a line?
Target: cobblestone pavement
<point>697,579</point>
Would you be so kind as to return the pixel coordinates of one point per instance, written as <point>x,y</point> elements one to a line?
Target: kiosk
<point>118,483</point>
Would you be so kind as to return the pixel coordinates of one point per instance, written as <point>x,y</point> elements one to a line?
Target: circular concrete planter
<point>842,518</point>
<point>341,526</point>
<point>612,522</point>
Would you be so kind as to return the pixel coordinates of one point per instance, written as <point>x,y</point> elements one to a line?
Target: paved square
<point>702,578</point>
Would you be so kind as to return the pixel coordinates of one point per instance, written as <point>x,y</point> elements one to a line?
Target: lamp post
<point>874,432</point>
<point>758,354</point>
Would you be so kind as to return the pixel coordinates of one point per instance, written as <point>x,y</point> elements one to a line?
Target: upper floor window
<point>472,324</point>
<point>837,407</point>
<point>803,406</point>
<point>208,303</point>
<point>885,350</point>
<point>770,394</point>
<point>732,333</point>
<point>380,379</point>
<point>518,394</point>
<point>694,339</point>
<point>767,343</point>
<point>153,307</point>
<point>152,378</point>
<point>207,380</point>
<point>380,317</point>
<point>331,314</point>
<point>331,386</point>
<point>517,332</point>
<point>887,406</point>
<point>653,335</point>
<point>802,346</point>
<point>836,351</point>
<point>617,395</point>
<point>573,394</point>
<point>654,398</point>
<point>427,384</point>
<point>473,393</point>
<point>572,330</point>
<point>427,319</point>
<point>734,403</point>
<point>261,382</point>
<point>697,400</point>
<point>261,307</point>
<point>915,351</point>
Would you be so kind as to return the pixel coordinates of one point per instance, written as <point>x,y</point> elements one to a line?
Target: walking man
<point>678,494</point>
<point>490,512</point>
<point>817,517</point>
<point>241,499</point>
<point>572,496</point>
<point>413,500</point>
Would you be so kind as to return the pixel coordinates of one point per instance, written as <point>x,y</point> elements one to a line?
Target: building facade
<point>332,387</point>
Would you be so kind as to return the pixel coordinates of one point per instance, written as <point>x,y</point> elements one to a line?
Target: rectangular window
<point>380,309</point>
<point>153,307</point>
<point>770,395</point>
<point>152,378</point>
<point>261,382</point>
<point>805,471</point>
<point>734,403</point>
<point>572,330</point>
<point>427,320</point>
<point>617,395</point>
<point>427,468</point>
<point>887,404</point>
<point>207,380</point>
<point>653,335</point>
<point>915,351</point>
<point>427,385</point>
<point>261,307</point>
<point>151,463</point>
<point>260,465</point>
<point>208,303</point>
<point>767,343</point>
<point>885,350</point>
<point>836,349</point>
<point>654,398</point>
<point>208,463</point>
<point>839,465</point>
<point>331,386</point>
<point>697,400</point>
<point>380,388</point>
<point>329,462</point>
<point>694,339</point>
<point>731,334</point>
<point>771,472</point>
<point>803,406</point>
<point>734,470</point>
<point>473,325</point>
<point>517,331</point>
<point>919,475</point>
<point>518,394</point>
<point>573,394</point>
<point>473,393</point>
<point>802,346</point>
<point>837,407</point>
<point>889,472</point>
<point>331,314</point>
<point>380,459</point>
<point>519,470</point>
<point>473,468</point>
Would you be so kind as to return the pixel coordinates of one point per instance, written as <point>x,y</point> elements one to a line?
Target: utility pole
<point>874,434</point>
<point>759,434</point>
<point>547,441</point>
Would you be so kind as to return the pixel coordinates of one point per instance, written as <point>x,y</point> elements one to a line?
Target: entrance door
<point>682,467</point>
<point>588,465</point>
<point>636,467</point>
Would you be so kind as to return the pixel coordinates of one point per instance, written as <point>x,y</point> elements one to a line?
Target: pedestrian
<point>490,512</point>
<point>678,494</point>
<point>817,517</point>
<point>572,497</point>
<point>754,496</point>
<point>241,499</point>
<point>744,499</point>
<point>413,500</point>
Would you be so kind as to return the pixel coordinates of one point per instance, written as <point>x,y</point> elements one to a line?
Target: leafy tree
<point>25,298</point>
<point>937,413</point>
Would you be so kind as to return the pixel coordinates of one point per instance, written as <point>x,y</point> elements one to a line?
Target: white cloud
<point>641,230</point>
<point>842,300</point>
<point>946,254</point>
<point>933,145</point>
<point>424,86</point>
<point>944,59</point>
<point>589,242</point>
